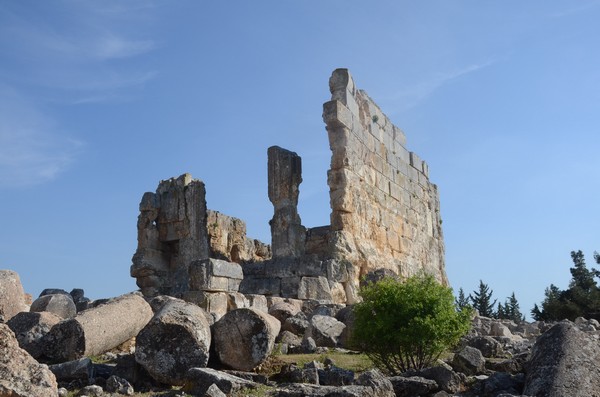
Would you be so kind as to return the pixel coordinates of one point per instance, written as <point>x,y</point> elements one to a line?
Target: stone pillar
<point>171,234</point>
<point>285,175</point>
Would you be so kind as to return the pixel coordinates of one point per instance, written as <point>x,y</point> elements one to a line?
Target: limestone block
<point>338,292</point>
<point>97,330</point>
<point>215,303</point>
<point>258,302</point>
<point>20,374</point>
<point>289,287</point>
<point>325,330</point>
<point>261,286</point>
<point>81,369</point>
<point>244,338</point>
<point>314,288</point>
<point>214,275</point>
<point>337,116</point>
<point>12,296</point>
<point>237,300</point>
<point>177,338</point>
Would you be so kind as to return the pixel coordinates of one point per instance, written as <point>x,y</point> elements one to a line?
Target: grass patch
<point>357,362</point>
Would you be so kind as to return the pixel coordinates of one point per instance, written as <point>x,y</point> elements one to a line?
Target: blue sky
<point>101,100</point>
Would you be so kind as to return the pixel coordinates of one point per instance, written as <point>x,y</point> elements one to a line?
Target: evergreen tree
<point>581,299</point>
<point>482,300</point>
<point>462,301</point>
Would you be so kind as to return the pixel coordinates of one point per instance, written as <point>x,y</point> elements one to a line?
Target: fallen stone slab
<point>244,338</point>
<point>412,386</point>
<point>176,338</point>
<point>81,369</point>
<point>199,380</point>
<point>12,296</point>
<point>99,329</point>
<point>20,374</point>
<point>59,304</point>
<point>30,329</point>
<point>564,362</point>
<point>369,384</point>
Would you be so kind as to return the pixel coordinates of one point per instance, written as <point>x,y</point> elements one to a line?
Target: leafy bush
<point>407,325</point>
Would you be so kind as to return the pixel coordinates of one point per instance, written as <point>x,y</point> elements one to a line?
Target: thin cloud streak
<point>416,94</point>
<point>31,150</point>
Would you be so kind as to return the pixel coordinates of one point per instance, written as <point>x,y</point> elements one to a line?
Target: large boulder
<point>20,374</point>
<point>283,310</point>
<point>81,369</point>
<point>412,386</point>
<point>97,330</point>
<point>469,361</point>
<point>176,339</point>
<point>30,329</point>
<point>59,304</point>
<point>244,338</point>
<point>564,362</point>
<point>325,330</point>
<point>12,296</point>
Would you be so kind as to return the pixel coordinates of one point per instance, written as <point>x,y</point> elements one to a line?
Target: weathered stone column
<point>285,175</point>
<point>98,330</point>
<point>171,234</point>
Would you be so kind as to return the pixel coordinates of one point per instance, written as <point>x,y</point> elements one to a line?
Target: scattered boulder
<point>176,339</point>
<point>503,383</point>
<point>99,329</point>
<point>325,330</point>
<point>564,362</point>
<point>60,305</point>
<point>296,325</point>
<point>92,391</point>
<point>244,338</point>
<point>53,291</point>
<point>488,346</point>
<point>369,384</point>
<point>20,374</point>
<point>412,386</point>
<point>12,296</point>
<point>447,380</point>
<point>199,380</point>
<point>335,376</point>
<point>308,345</point>
<point>288,338</point>
<point>31,328</point>
<point>214,391</point>
<point>114,384</point>
<point>499,329</point>
<point>283,310</point>
<point>469,361</point>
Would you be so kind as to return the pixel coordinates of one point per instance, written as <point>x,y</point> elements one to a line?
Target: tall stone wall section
<point>385,211</point>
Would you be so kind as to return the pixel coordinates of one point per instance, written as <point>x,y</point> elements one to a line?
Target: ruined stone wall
<point>385,211</point>
<point>177,235</point>
<point>227,240</point>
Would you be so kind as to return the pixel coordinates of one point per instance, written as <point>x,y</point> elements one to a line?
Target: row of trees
<point>581,299</point>
<point>482,301</point>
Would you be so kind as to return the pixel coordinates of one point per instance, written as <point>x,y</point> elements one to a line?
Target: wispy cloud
<point>411,96</point>
<point>31,150</point>
<point>576,9</point>
<point>111,47</point>
<point>83,53</point>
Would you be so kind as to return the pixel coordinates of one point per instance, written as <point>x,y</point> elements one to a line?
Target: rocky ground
<point>64,345</point>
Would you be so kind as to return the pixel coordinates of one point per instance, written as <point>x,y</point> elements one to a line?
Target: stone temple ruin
<point>385,214</point>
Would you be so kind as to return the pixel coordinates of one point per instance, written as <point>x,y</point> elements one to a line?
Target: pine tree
<point>482,300</point>
<point>462,301</point>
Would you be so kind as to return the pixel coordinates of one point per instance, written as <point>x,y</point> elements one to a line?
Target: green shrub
<point>407,325</point>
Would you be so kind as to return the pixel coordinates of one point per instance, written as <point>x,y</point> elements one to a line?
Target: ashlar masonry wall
<point>385,211</point>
